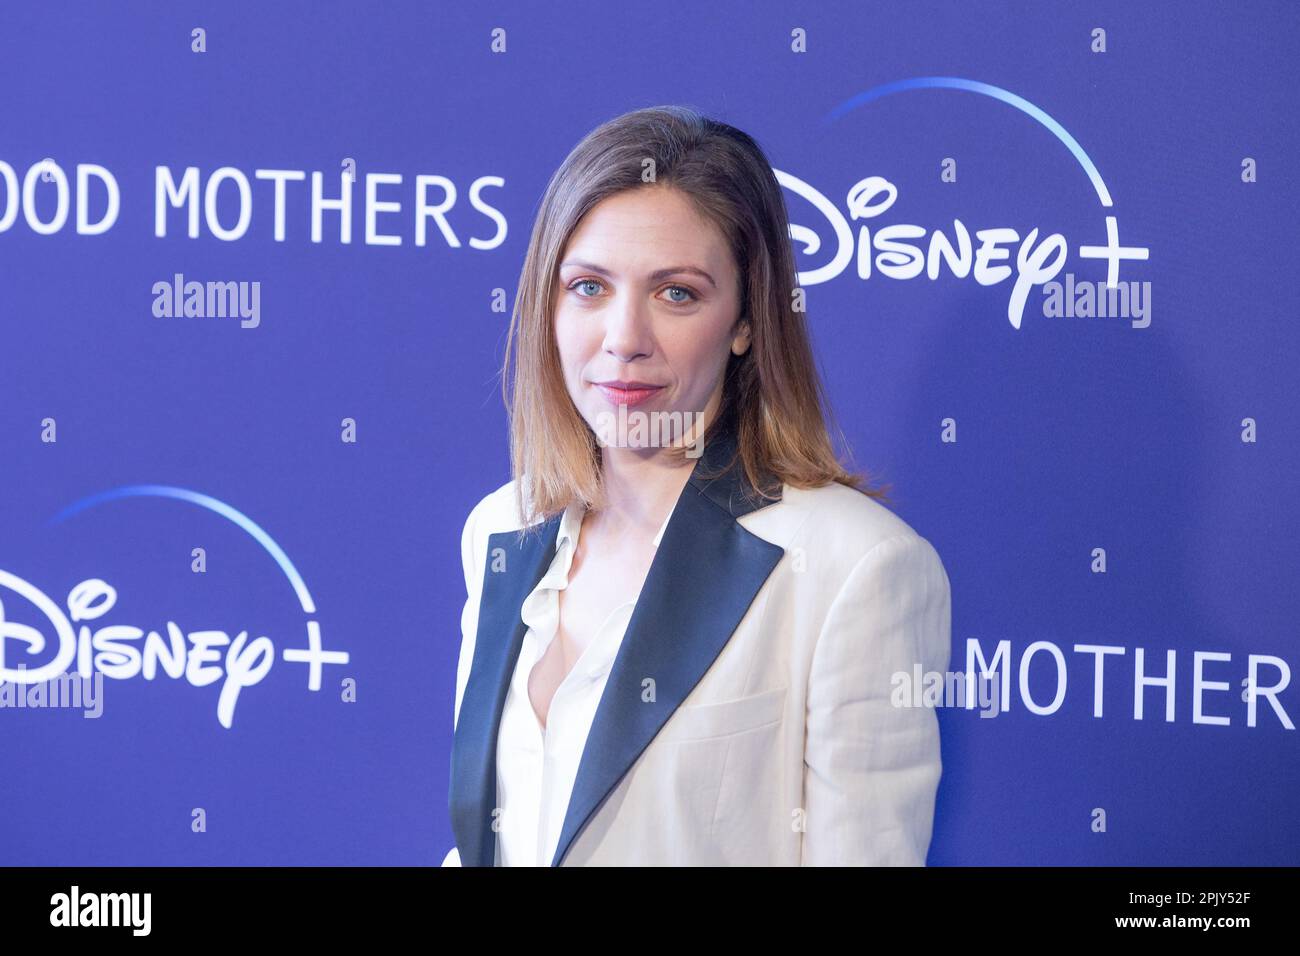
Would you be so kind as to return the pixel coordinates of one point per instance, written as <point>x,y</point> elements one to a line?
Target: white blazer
<point>751,716</point>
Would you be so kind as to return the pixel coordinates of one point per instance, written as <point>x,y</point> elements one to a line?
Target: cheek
<point>574,344</point>
<point>565,334</point>
<point>698,358</point>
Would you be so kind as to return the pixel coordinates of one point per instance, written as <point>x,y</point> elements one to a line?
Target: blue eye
<point>579,283</point>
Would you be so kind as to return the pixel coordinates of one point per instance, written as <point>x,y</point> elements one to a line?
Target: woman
<point>682,648</point>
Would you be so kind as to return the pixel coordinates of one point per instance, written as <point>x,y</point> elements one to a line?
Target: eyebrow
<point>654,276</point>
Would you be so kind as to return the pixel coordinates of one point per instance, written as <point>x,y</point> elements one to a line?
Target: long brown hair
<point>772,394</point>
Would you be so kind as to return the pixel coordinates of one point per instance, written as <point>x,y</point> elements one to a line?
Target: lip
<point>627,393</point>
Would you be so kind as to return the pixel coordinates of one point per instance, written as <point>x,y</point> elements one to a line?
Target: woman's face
<point>647,293</point>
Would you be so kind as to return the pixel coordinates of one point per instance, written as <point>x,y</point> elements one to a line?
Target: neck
<point>642,485</point>
<point>641,489</point>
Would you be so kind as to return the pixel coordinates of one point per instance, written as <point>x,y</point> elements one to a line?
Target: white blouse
<point>536,768</point>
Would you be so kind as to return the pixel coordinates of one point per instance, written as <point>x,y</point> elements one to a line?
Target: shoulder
<point>846,514</point>
<point>838,527</point>
<point>495,511</point>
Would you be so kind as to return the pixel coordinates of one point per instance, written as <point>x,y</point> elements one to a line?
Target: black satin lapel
<point>704,576</point>
<point>500,635</point>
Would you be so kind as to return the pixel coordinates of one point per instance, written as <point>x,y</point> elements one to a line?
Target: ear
<point>740,342</point>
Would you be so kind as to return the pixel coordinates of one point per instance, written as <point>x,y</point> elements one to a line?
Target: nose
<point>628,332</point>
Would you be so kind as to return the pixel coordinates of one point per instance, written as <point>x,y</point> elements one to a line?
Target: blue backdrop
<point>294,476</point>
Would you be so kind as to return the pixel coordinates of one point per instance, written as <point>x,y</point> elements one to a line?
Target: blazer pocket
<point>723,718</point>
